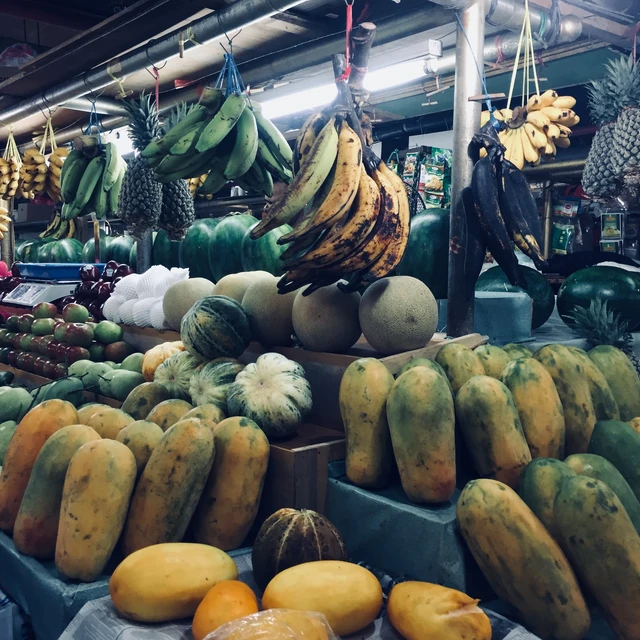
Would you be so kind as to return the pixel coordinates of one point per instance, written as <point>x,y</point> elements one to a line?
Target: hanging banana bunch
<point>10,164</point>
<point>5,220</point>
<point>56,162</point>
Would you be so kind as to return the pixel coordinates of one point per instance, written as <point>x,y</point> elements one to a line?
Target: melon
<point>269,312</point>
<point>175,372</point>
<point>181,296</point>
<point>327,320</point>
<point>235,285</point>
<point>398,314</point>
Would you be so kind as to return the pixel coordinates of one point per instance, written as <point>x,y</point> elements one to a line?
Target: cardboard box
<point>29,212</point>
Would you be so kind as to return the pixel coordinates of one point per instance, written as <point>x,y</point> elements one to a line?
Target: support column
<point>466,122</point>
<point>145,249</point>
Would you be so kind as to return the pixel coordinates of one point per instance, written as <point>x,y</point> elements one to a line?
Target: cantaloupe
<point>236,284</point>
<point>398,314</point>
<point>269,312</point>
<point>327,320</point>
<point>181,296</point>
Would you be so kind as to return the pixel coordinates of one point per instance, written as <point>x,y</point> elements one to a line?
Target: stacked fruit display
<point>534,131</point>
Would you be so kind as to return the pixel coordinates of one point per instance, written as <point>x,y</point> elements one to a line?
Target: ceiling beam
<point>48,14</point>
<point>318,26</point>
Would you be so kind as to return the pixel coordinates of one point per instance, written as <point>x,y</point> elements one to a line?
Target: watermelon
<point>165,251</point>
<point>194,250</point>
<point>20,248</point>
<point>224,250</point>
<point>133,256</point>
<point>89,253</point>
<point>538,289</point>
<point>31,249</point>
<point>214,327</point>
<point>120,249</point>
<point>618,287</point>
<point>427,254</point>
<point>264,253</point>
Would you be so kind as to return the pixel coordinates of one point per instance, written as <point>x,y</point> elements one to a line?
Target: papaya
<point>493,359</point>
<point>170,486</point>
<point>622,378</point>
<point>521,561</point>
<point>539,485</point>
<point>515,351</point>
<point>421,419</point>
<point>231,497</point>
<point>141,437</point>
<point>424,362</point>
<point>491,428</point>
<point>459,363</point>
<point>139,403</point>
<point>539,407</point>
<point>167,413</point>
<point>33,431</point>
<point>604,546</point>
<point>87,410</point>
<point>571,382</point>
<point>599,468</point>
<point>364,388</point>
<point>109,421</point>
<point>604,403</point>
<point>210,414</point>
<point>36,527</point>
<point>620,445</point>
<point>95,499</point>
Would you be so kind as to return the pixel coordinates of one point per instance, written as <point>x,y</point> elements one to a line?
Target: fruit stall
<point>320,321</point>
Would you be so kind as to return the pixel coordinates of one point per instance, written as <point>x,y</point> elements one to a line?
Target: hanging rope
<point>529,61</point>
<point>349,28</point>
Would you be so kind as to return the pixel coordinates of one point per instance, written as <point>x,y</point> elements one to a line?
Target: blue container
<point>53,271</point>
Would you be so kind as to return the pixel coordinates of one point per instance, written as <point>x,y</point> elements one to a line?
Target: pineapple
<point>140,200</point>
<point>601,325</point>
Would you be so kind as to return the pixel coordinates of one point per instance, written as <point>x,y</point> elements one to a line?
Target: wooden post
<point>466,122</point>
<point>7,248</point>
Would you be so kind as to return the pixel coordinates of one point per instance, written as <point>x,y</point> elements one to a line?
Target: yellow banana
<point>310,131</point>
<point>503,137</point>
<point>564,143</point>
<point>62,152</point>
<point>570,119</point>
<point>554,114</point>
<point>540,119</point>
<point>506,114</point>
<point>537,137</point>
<point>533,104</point>
<point>484,117</point>
<point>5,169</point>
<point>55,170</point>
<point>550,148</point>
<point>565,132</point>
<point>565,102</point>
<point>32,152</point>
<point>3,227</point>
<point>517,151</point>
<point>531,153</point>
<point>548,98</point>
<point>553,131</point>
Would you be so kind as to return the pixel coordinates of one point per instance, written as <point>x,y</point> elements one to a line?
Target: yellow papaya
<point>459,363</point>
<point>493,359</point>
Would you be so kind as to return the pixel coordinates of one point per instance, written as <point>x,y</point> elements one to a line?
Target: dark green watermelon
<point>31,249</point>
<point>264,253</point>
<point>19,250</point>
<point>165,251</point>
<point>133,256</point>
<point>89,249</point>
<point>427,253</point>
<point>538,289</point>
<point>224,250</point>
<point>194,250</point>
<point>618,287</point>
<point>68,250</point>
<point>120,249</point>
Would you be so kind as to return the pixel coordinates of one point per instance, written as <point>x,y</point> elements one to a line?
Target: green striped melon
<point>210,384</point>
<point>215,327</point>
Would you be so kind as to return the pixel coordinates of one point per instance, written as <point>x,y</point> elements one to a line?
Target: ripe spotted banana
<point>553,132</point>
<point>554,114</point>
<point>245,147</point>
<point>537,137</point>
<point>537,102</point>
<point>550,148</point>
<point>531,153</point>
<point>564,143</point>
<point>539,119</point>
<point>564,102</point>
<point>305,184</point>
<point>310,131</point>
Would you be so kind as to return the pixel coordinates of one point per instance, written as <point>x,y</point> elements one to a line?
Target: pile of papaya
<point>552,514</point>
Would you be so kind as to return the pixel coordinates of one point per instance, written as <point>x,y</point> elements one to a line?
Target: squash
<point>139,403</point>
<point>175,372</point>
<point>156,356</point>
<point>522,562</point>
<point>364,388</point>
<point>95,499</point>
<point>604,546</point>
<point>141,437</point>
<point>348,595</point>
<point>231,497</point>
<point>422,425</point>
<point>215,326</point>
<point>599,468</point>
<point>274,393</point>
<point>168,581</point>
<point>539,406</point>
<point>491,428</point>
<point>211,383</point>
<point>459,363</point>
<point>515,351</point>
<point>36,527</point>
<point>170,486</point>
<point>290,537</point>
<point>225,601</point>
<point>109,421</point>
<point>573,388</point>
<point>419,610</point>
<point>493,359</point>
<point>539,486</point>
<point>604,402</point>
<point>167,413</point>
<point>209,414</point>
<point>33,431</point>
<point>622,378</point>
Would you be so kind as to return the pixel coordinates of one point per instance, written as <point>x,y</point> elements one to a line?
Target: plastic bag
<point>276,624</point>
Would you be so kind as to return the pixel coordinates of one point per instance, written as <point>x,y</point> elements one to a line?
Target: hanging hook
<point>111,72</point>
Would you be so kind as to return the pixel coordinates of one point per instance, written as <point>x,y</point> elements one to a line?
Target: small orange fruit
<point>228,600</point>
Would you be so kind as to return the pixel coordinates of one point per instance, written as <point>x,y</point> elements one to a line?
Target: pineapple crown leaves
<point>599,324</point>
<point>144,124</point>
<point>602,105</point>
<point>618,89</point>
<point>175,115</point>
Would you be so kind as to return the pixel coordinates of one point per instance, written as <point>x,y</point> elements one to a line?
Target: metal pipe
<point>145,250</point>
<point>235,16</point>
<point>466,121</point>
<point>557,167</point>
<point>548,217</point>
<point>104,106</point>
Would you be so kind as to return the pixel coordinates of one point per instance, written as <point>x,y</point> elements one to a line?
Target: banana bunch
<point>226,138</point>
<point>5,219</point>
<point>196,183</point>
<point>33,173</point>
<point>349,211</point>
<point>56,162</point>
<point>91,178</point>
<point>536,131</point>
<point>9,176</point>
<point>58,228</point>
